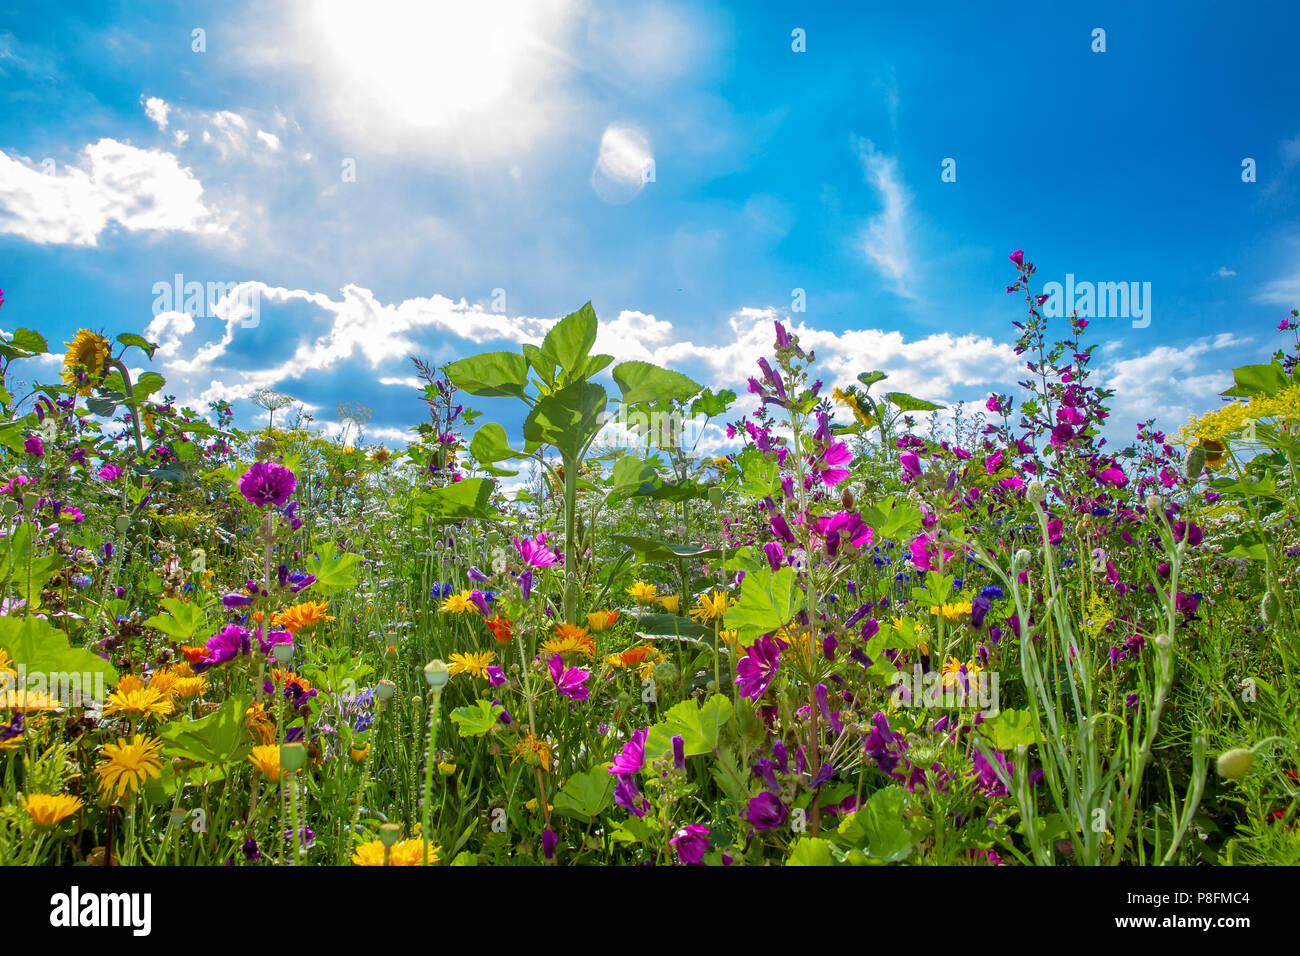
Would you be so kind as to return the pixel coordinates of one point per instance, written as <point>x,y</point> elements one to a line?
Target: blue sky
<point>502,145</point>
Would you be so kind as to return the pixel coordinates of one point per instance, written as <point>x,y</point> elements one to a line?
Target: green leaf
<point>491,373</point>
<point>878,828</point>
<point>465,858</point>
<point>567,418</point>
<point>139,341</point>
<point>699,727</point>
<point>490,446</point>
<point>759,475</point>
<point>570,340</point>
<point>458,501</point>
<point>541,364</point>
<point>910,403</point>
<point>711,405</point>
<point>1010,729</point>
<point>29,341</point>
<point>333,571</point>
<point>183,621</point>
<point>220,737</point>
<point>810,851</point>
<point>643,382</point>
<point>11,437</point>
<point>149,383</point>
<point>655,550</point>
<point>478,718</point>
<point>670,625</point>
<point>1257,379</point>
<point>44,651</point>
<point>871,378</point>
<point>584,795</point>
<point>767,602</point>
<point>633,476</point>
<point>893,519</point>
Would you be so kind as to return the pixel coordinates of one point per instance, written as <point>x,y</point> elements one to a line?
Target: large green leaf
<point>334,572</point>
<point>149,383</point>
<point>710,404</point>
<point>1010,728</point>
<point>670,625</point>
<point>877,826</point>
<point>910,403</point>
<point>182,621</point>
<point>1256,379</point>
<point>633,476</point>
<point>584,795</point>
<point>29,341</point>
<point>458,501</point>
<point>567,418</point>
<point>643,382</point>
<point>655,550</point>
<point>220,737</point>
<point>478,718</point>
<point>139,341</point>
<point>767,602</point>
<point>490,446</point>
<point>699,727</point>
<point>569,341</point>
<point>810,851</point>
<point>43,650</point>
<point>491,373</point>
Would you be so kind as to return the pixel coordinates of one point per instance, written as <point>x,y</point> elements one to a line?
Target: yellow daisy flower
<point>403,853</point>
<point>48,810</point>
<point>128,765</point>
<point>645,593</point>
<point>459,604</point>
<point>301,617</point>
<point>146,701</point>
<point>670,602</point>
<point>474,663</point>
<point>266,758</point>
<point>710,606</point>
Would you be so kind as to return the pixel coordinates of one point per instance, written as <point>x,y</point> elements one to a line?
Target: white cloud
<point>1168,383</point>
<point>885,239</point>
<point>624,164</point>
<point>156,109</point>
<point>138,189</point>
<point>270,139</point>
<point>1223,272</point>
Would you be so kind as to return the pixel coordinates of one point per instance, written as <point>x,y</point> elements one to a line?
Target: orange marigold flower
<point>301,617</point>
<point>601,620</point>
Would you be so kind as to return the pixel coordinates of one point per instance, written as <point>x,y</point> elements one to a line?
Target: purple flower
<point>231,642</point>
<point>691,843</point>
<point>755,671</point>
<point>911,464</point>
<point>33,446</point>
<point>267,483</point>
<point>535,553</point>
<point>679,753</point>
<point>110,472</point>
<point>526,585</point>
<point>569,682</point>
<point>979,608</point>
<point>633,755</point>
<point>496,676</point>
<point>627,796</point>
<point>236,600</point>
<point>549,841</point>
<point>766,811</point>
<point>474,574</point>
<point>478,599</point>
<point>989,782</point>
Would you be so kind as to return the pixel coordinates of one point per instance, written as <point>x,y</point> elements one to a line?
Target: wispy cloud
<point>885,239</point>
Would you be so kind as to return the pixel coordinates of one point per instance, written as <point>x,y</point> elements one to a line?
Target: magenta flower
<point>755,671</point>
<point>766,811</point>
<point>828,469</point>
<point>267,483</point>
<point>1018,257</point>
<point>569,682</point>
<point>691,843</point>
<point>633,755</point>
<point>535,553</point>
<point>1112,476</point>
<point>496,676</point>
<point>911,465</point>
<point>110,472</point>
<point>925,553</point>
<point>33,446</point>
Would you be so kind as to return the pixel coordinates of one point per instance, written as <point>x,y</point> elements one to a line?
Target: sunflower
<point>474,663</point>
<point>850,401</point>
<point>459,604</point>
<point>710,607</point>
<point>266,758</point>
<point>146,701</point>
<point>128,765</point>
<point>570,639</point>
<point>601,620</point>
<point>403,853</point>
<point>48,810</point>
<point>85,360</point>
<point>643,592</point>
<point>301,617</point>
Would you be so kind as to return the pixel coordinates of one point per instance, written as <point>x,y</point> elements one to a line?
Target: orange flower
<point>300,617</point>
<point>289,679</point>
<point>502,628</point>
<point>570,639</point>
<point>194,654</point>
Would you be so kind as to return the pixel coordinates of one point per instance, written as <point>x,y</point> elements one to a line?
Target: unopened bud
<point>436,673</point>
<point>1270,607</point>
<point>1023,557</point>
<point>1036,493</point>
<point>1235,764</point>
<point>389,833</point>
<point>846,499</point>
<point>1155,504</point>
<point>293,757</point>
<point>1194,462</point>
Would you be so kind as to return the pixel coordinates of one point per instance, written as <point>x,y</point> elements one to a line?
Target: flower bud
<point>1235,764</point>
<point>1194,462</point>
<point>9,508</point>
<point>1164,642</point>
<point>30,501</point>
<point>1270,607</point>
<point>846,499</point>
<point>1155,504</point>
<point>123,522</point>
<point>1036,493</point>
<point>1023,557</point>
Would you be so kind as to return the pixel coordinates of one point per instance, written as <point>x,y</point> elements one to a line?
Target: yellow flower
<point>728,637</point>
<point>570,639</point>
<point>670,602</point>
<point>533,804</point>
<point>474,663</point>
<point>359,754</point>
<point>953,612</point>
<point>266,758</point>
<point>645,593</point>
<point>446,769</point>
<point>403,853</point>
<point>28,701</point>
<point>301,617</point>
<point>146,701</point>
<point>47,810</point>
<point>89,351</point>
<point>851,402</point>
<point>190,686</point>
<point>127,765</point>
<point>601,620</point>
<point>952,672</point>
<point>459,604</point>
<point>260,725</point>
<point>6,668</point>
<point>710,606</point>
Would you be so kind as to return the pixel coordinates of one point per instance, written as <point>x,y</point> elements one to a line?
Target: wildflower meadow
<point>856,639</point>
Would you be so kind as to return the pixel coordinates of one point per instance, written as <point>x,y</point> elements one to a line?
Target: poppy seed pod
<point>436,673</point>
<point>389,833</point>
<point>1194,462</point>
<point>1023,557</point>
<point>1036,493</point>
<point>1235,764</point>
<point>283,653</point>
<point>293,757</point>
<point>385,690</point>
<point>1270,607</point>
<point>1155,504</point>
